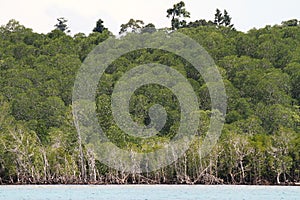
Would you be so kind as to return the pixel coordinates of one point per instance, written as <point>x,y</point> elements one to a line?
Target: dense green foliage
<point>260,142</point>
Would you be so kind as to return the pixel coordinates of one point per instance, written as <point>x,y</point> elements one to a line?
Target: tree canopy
<point>260,141</point>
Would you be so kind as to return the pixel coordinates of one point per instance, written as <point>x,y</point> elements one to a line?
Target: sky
<point>41,15</point>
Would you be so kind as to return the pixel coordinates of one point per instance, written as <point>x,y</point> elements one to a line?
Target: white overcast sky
<point>40,15</point>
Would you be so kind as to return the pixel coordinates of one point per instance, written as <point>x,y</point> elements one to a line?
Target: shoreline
<point>133,184</point>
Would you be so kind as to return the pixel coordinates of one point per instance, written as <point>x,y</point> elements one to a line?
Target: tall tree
<point>176,13</point>
<point>222,19</point>
<point>227,19</point>
<point>62,25</point>
<point>131,26</point>
<point>219,19</point>
<point>99,27</point>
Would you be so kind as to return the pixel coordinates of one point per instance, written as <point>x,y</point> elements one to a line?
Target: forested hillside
<point>260,141</point>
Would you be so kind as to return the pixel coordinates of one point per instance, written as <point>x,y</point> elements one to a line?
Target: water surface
<point>149,192</point>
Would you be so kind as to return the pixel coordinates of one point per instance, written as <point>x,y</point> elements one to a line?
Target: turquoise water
<point>149,192</point>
